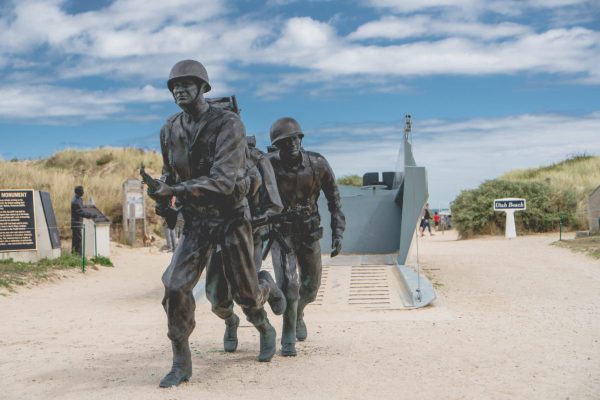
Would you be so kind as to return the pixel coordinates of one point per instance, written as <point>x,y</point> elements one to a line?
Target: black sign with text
<point>17,220</point>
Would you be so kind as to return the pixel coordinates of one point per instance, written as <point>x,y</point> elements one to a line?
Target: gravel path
<point>515,319</point>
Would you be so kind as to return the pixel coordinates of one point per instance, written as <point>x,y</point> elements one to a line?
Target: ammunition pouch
<point>306,229</point>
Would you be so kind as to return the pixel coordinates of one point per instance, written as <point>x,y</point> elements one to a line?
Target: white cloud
<point>124,44</point>
<point>424,25</point>
<point>125,30</point>
<point>574,51</point>
<point>135,42</point>
<point>51,103</point>
<point>462,154</point>
<point>405,6</point>
<point>470,7</point>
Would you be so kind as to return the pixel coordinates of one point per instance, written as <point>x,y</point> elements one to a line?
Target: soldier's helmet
<point>189,69</point>
<point>284,128</point>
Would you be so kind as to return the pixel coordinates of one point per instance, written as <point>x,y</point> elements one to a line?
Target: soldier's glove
<point>163,191</point>
<point>336,245</point>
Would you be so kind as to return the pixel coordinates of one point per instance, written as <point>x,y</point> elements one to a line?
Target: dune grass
<point>554,193</point>
<point>586,245</point>
<point>14,273</point>
<point>579,174</point>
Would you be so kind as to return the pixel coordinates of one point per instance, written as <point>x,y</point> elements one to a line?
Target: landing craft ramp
<point>382,219</point>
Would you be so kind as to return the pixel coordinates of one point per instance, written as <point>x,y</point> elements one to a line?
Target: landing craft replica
<point>381,219</point>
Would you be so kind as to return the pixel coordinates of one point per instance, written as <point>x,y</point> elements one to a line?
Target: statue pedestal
<point>28,231</point>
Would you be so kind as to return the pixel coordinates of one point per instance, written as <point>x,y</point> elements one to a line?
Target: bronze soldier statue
<point>264,201</point>
<point>204,167</point>
<point>77,215</point>
<point>301,176</point>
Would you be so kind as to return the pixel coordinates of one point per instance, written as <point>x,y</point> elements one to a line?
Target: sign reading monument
<point>17,220</point>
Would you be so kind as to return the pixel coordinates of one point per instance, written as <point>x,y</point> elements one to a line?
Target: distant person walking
<point>425,221</point>
<point>77,216</point>
<point>172,235</point>
<point>436,220</point>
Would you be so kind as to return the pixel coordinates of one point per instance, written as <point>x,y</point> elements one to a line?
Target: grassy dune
<point>579,175</point>
<point>101,172</point>
<point>554,193</point>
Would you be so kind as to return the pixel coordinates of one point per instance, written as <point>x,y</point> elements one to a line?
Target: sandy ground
<point>515,319</point>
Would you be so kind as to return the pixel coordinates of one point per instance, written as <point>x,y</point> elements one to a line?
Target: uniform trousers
<point>76,237</point>
<point>218,290</point>
<point>305,257</point>
<point>235,275</point>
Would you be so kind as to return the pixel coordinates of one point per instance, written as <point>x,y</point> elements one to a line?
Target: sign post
<point>133,209</point>
<point>509,206</point>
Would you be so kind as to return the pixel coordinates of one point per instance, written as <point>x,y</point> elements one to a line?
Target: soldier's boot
<point>230,339</point>
<point>301,331</point>
<point>288,335</point>
<point>276,297</point>
<point>268,338</point>
<point>181,371</point>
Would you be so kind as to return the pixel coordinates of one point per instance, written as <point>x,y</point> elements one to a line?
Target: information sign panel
<point>17,220</point>
<point>137,199</point>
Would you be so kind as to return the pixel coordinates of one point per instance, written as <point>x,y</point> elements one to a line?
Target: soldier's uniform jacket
<point>216,180</point>
<point>77,212</point>
<point>301,185</point>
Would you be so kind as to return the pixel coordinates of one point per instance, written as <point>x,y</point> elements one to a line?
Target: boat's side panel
<point>372,223</point>
<point>414,196</point>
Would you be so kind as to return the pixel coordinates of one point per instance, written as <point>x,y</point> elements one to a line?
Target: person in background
<point>171,235</point>
<point>436,220</point>
<point>425,221</point>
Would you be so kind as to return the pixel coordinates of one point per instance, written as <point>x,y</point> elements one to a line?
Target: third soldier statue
<point>301,176</point>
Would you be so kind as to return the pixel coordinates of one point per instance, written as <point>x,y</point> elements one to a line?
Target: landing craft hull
<point>382,221</point>
<point>372,221</point>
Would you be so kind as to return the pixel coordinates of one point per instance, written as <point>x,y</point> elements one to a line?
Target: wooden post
<point>131,225</point>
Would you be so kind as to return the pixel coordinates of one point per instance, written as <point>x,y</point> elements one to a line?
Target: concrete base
<point>30,256</point>
<point>42,238</point>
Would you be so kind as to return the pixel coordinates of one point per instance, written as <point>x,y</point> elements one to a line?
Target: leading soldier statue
<point>301,176</point>
<point>204,167</point>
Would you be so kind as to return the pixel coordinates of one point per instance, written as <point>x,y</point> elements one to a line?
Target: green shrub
<point>104,159</point>
<point>350,180</point>
<point>473,212</point>
<point>101,260</point>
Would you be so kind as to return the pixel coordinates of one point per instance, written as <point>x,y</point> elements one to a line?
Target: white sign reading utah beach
<point>509,206</point>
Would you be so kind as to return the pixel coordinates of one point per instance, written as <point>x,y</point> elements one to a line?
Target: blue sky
<point>491,85</point>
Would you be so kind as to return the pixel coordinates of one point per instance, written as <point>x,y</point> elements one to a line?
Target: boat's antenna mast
<point>408,127</point>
